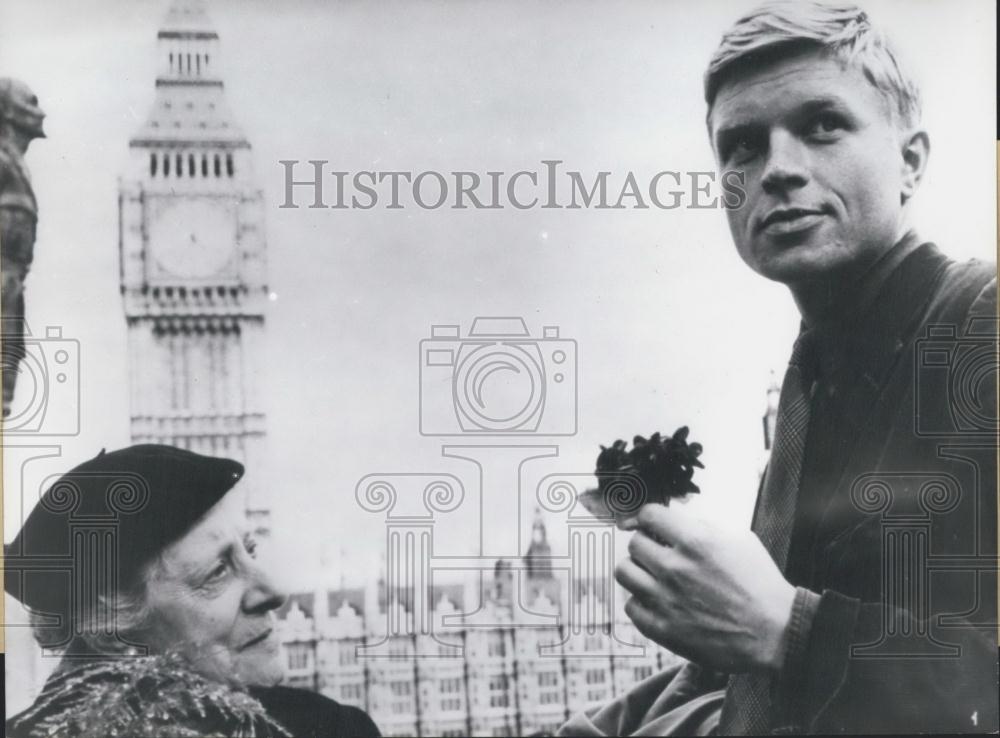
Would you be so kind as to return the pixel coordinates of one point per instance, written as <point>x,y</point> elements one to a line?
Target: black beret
<point>97,525</point>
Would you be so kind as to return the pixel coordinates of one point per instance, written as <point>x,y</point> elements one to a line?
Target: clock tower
<point>193,263</point>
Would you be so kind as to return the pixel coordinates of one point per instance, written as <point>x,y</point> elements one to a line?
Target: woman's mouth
<point>256,640</point>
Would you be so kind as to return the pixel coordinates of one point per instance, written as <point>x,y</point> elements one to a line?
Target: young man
<point>864,600</point>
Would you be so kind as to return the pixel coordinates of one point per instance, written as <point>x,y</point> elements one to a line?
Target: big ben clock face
<point>192,237</point>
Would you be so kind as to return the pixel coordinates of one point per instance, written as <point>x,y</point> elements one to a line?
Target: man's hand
<point>711,595</point>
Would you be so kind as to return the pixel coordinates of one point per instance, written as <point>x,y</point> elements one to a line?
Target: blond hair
<point>784,27</point>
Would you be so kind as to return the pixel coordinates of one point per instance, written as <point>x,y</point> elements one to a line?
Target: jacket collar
<point>879,315</point>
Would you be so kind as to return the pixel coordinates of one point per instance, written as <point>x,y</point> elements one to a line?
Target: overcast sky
<point>672,328</point>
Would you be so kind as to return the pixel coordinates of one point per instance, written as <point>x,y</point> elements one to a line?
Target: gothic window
<point>197,64</point>
<point>179,161</point>
<point>229,164</point>
<point>166,165</point>
<point>496,645</point>
<point>548,679</point>
<point>152,164</point>
<point>350,692</point>
<point>298,655</point>
<point>642,672</point>
<point>171,61</point>
<point>498,691</point>
<point>204,164</point>
<point>348,653</point>
<point>191,167</point>
<point>401,689</point>
<point>218,167</point>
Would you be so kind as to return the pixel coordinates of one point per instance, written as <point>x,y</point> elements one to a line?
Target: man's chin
<point>800,264</point>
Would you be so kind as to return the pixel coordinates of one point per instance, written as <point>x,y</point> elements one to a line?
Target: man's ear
<point>916,148</point>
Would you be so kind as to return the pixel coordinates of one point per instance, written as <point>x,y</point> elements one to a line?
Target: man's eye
<point>742,148</point>
<point>826,123</point>
<point>218,572</point>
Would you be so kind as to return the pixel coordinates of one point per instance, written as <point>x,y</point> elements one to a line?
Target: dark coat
<point>895,528</point>
<point>896,520</point>
<point>310,715</point>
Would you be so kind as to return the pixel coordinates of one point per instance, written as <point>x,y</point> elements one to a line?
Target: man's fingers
<point>652,556</point>
<point>635,579</point>
<point>646,621</point>
<point>671,525</point>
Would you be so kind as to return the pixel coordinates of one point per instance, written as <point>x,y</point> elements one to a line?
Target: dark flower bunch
<point>665,464</point>
<point>144,697</point>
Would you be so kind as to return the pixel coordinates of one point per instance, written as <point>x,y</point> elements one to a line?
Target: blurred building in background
<point>507,678</point>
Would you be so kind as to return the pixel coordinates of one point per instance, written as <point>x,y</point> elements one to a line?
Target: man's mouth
<point>789,220</point>
<point>260,638</point>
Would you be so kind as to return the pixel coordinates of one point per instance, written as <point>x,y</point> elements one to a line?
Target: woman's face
<point>210,599</point>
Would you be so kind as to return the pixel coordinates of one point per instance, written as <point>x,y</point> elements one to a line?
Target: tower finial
<point>187,16</point>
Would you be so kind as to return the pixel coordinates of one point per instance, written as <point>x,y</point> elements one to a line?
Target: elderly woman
<point>164,616</point>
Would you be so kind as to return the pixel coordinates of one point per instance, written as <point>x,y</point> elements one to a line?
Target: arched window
<point>171,62</point>
<point>166,165</point>
<point>229,164</point>
<point>197,64</point>
<point>204,165</point>
<point>180,165</point>
<point>192,169</point>
<point>218,167</point>
<point>152,164</point>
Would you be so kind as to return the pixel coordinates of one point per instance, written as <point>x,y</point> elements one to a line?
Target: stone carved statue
<point>20,122</point>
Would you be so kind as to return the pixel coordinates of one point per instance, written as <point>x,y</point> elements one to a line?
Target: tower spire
<point>186,16</point>
<point>193,263</point>
<point>190,107</point>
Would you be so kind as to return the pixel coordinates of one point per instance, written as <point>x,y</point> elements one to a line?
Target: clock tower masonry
<point>193,264</point>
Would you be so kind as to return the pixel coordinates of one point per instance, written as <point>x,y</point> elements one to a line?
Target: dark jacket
<point>896,520</point>
<point>895,527</point>
<point>310,715</point>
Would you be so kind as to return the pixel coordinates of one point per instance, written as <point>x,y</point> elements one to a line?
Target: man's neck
<point>847,292</point>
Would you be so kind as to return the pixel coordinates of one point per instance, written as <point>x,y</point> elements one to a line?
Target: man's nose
<point>263,593</point>
<point>787,163</point>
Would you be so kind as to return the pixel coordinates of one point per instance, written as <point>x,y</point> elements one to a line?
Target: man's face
<point>823,162</point>
<point>211,600</point>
